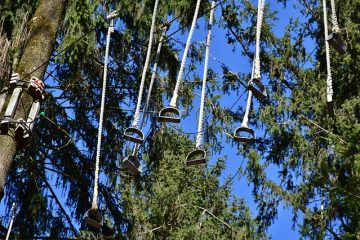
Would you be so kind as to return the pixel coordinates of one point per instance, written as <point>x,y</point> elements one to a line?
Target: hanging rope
<point>335,27</point>
<point>248,103</point>
<point>203,90</point>
<point>329,88</point>
<point>153,76</point>
<point>147,60</point>
<point>256,63</point>
<point>102,108</point>
<point>183,61</point>
<point>13,211</point>
<point>261,5</point>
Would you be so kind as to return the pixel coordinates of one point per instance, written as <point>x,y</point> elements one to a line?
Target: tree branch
<point>59,203</point>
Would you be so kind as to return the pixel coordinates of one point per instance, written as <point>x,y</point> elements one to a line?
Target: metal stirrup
<point>93,218</point>
<point>196,157</point>
<point>169,114</point>
<point>258,89</point>
<point>134,134</point>
<point>244,135</point>
<point>132,164</point>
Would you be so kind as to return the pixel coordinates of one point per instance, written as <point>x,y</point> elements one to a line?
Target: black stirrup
<point>337,43</point>
<point>169,114</point>
<point>244,134</point>
<point>258,89</point>
<point>132,164</point>
<point>134,134</point>
<point>330,107</point>
<point>93,218</point>
<point>196,157</point>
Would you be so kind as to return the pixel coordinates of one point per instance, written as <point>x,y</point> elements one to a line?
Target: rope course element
<point>23,128</point>
<point>133,133</point>
<point>13,211</point>
<point>329,86</point>
<point>334,38</point>
<point>213,124</point>
<point>334,19</point>
<point>198,156</point>
<point>255,85</point>
<point>93,217</point>
<point>244,133</point>
<point>113,15</point>
<point>132,162</point>
<point>256,74</point>
<point>171,113</point>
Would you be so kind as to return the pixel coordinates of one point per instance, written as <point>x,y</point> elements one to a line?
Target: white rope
<point>256,63</point>
<point>184,57</point>
<point>261,5</point>
<point>248,103</point>
<point>335,27</point>
<point>153,76</point>
<point>203,90</point>
<point>13,211</point>
<point>329,88</point>
<point>147,60</point>
<point>102,108</point>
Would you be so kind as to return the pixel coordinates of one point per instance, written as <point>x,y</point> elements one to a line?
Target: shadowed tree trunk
<point>37,52</point>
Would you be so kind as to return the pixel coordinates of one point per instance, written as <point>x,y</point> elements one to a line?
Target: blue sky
<point>281,229</point>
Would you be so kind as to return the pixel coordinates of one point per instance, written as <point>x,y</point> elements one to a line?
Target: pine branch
<point>212,215</point>
<point>333,233</point>
<point>325,130</point>
<point>59,204</point>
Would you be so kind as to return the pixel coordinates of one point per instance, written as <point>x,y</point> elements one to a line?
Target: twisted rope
<point>256,63</point>
<point>334,19</point>
<point>183,61</point>
<point>147,60</point>
<point>102,108</point>
<point>261,5</point>
<point>153,76</point>
<point>203,90</point>
<point>248,102</point>
<point>329,88</point>
<point>13,211</point>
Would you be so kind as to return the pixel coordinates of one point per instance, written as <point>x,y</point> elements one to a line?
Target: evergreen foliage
<point>317,157</point>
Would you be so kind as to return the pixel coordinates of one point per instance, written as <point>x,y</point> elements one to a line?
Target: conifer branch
<point>59,203</point>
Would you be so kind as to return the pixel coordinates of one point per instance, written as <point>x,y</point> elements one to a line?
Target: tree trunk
<point>42,33</point>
